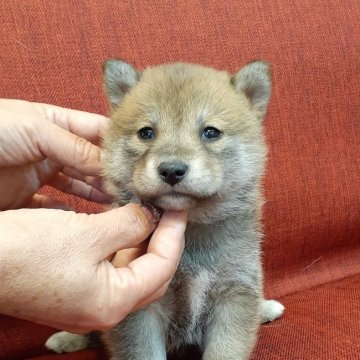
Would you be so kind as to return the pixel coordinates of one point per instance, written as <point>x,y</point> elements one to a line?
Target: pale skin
<point>55,265</point>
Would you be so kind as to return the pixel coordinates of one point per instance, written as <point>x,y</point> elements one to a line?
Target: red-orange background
<point>52,52</point>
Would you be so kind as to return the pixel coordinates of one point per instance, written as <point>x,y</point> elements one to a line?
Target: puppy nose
<point>172,172</point>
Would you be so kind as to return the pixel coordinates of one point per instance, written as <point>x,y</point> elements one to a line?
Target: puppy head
<point>186,136</point>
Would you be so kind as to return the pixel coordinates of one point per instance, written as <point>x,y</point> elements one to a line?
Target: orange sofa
<point>53,51</point>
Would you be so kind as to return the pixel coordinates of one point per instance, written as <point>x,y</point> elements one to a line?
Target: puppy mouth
<point>176,200</point>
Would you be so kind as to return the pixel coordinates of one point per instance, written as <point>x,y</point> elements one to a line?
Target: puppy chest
<point>190,307</point>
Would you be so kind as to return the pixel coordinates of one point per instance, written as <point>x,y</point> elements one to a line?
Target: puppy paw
<point>271,310</point>
<point>66,342</point>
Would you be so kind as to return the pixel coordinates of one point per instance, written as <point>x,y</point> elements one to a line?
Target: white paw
<point>271,310</point>
<point>66,342</point>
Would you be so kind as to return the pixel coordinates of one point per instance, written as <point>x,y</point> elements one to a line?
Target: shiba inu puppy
<point>185,136</point>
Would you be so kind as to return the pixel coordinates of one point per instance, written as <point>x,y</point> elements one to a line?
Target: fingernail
<point>153,212</point>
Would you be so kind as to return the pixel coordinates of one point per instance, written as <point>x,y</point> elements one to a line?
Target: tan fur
<point>178,100</point>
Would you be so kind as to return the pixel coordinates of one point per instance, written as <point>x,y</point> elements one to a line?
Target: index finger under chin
<point>165,240</point>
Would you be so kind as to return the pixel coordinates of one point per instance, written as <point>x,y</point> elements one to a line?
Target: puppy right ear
<point>119,78</point>
<point>254,81</point>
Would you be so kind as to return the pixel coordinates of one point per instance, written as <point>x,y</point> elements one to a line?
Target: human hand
<point>45,144</point>
<point>54,268</point>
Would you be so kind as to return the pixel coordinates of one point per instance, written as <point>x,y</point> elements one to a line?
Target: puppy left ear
<point>254,81</point>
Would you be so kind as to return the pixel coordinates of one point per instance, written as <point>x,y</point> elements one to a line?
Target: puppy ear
<point>254,81</point>
<point>119,78</point>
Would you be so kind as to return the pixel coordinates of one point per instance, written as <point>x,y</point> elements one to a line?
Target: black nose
<point>172,172</point>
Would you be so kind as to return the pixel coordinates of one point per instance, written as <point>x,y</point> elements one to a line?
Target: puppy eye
<point>146,133</point>
<point>210,133</point>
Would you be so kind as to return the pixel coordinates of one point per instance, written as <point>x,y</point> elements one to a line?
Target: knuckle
<point>83,147</point>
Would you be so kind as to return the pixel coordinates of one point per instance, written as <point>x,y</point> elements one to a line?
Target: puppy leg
<point>231,332</point>
<point>270,310</point>
<point>140,336</point>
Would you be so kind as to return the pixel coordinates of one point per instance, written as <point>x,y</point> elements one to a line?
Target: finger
<point>95,181</point>
<point>68,149</point>
<point>75,187</point>
<point>42,201</point>
<point>121,228</point>
<point>86,125</point>
<point>171,226</point>
<point>147,274</point>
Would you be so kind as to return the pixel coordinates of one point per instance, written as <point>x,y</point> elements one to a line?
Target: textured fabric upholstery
<point>53,51</point>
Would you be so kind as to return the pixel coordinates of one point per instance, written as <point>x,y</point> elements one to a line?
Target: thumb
<point>146,277</point>
<point>68,149</point>
<point>121,228</point>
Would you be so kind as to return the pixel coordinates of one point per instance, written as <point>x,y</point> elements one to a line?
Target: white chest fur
<point>198,290</point>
